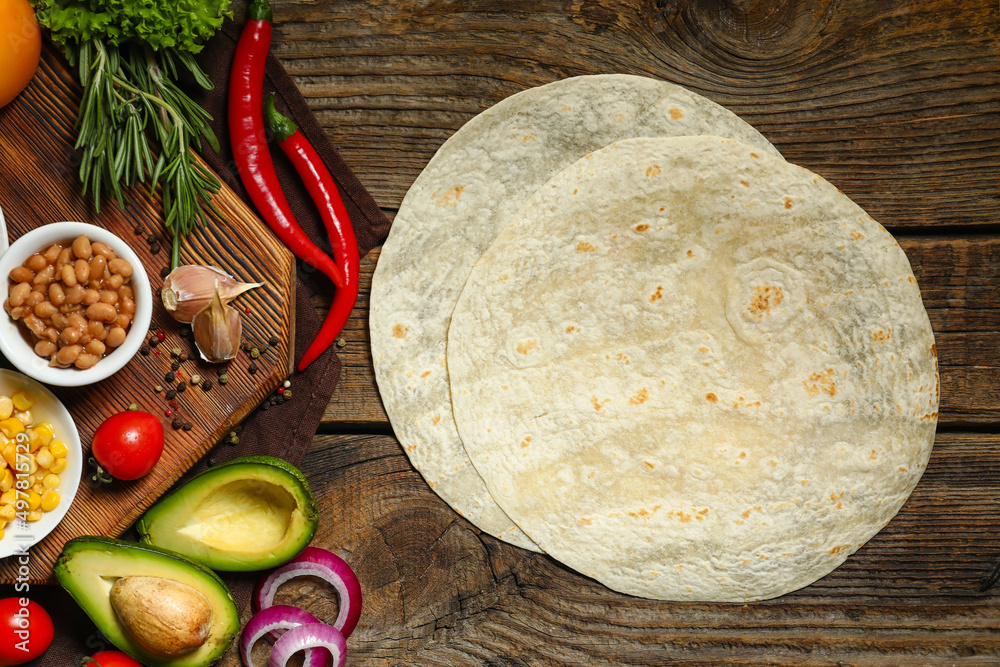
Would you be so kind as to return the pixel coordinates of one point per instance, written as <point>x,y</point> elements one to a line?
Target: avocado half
<point>250,513</point>
<point>89,566</point>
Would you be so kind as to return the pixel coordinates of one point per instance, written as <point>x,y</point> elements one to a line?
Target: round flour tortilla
<point>451,214</point>
<point>693,371</point>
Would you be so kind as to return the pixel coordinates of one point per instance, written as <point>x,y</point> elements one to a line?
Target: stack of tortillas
<point>612,324</point>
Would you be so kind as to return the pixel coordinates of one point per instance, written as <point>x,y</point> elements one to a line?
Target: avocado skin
<point>297,486</point>
<point>227,621</point>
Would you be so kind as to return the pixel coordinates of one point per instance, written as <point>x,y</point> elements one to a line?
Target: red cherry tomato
<point>127,445</point>
<point>25,631</point>
<point>111,659</point>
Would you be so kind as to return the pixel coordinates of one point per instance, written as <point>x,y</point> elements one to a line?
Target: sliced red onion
<point>272,621</point>
<point>309,636</point>
<point>329,567</point>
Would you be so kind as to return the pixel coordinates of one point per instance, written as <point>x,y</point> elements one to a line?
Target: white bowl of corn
<point>41,459</point>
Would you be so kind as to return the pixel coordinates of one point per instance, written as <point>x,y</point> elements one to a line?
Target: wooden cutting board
<point>38,185</point>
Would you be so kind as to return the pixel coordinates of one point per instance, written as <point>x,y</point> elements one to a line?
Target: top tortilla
<point>694,371</point>
<point>456,207</point>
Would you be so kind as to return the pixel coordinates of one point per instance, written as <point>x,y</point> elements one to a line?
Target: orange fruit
<point>20,47</point>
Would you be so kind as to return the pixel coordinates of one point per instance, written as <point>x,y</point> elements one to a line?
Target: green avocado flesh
<point>250,513</point>
<point>89,566</point>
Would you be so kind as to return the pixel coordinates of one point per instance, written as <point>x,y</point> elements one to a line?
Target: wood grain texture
<point>39,185</point>
<point>894,102</point>
<point>438,592</point>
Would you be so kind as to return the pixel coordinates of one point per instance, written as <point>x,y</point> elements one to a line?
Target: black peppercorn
<point>164,272</point>
<point>206,385</point>
<point>182,386</point>
<point>169,377</point>
<point>252,368</point>
<point>154,248</point>
<point>145,350</point>
<point>188,426</point>
<point>154,341</point>
<point>175,365</point>
<point>177,423</point>
<point>140,230</point>
<point>272,341</point>
<point>172,394</point>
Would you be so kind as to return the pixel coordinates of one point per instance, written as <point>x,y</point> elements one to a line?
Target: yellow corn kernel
<point>45,432</point>
<point>50,500</point>
<point>11,426</point>
<point>7,480</point>
<point>10,455</point>
<point>8,497</point>
<point>50,481</point>
<point>32,465</point>
<point>7,512</point>
<point>34,440</point>
<point>34,501</point>
<point>6,407</point>
<point>57,466</point>
<point>38,488</point>
<point>23,416</point>
<point>44,458</point>
<point>22,400</point>
<point>58,448</point>
<point>34,516</point>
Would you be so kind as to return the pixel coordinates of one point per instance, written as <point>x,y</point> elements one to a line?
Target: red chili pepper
<point>246,132</point>
<point>323,190</point>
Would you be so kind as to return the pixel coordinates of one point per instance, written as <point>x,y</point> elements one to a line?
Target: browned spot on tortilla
<point>774,463</point>
<point>399,331</point>
<point>575,190</point>
<point>411,448</point>
<point>856,235</point>
<point>744,183</point>
<point>642,228</point>
<point>591,474</point>
<point>703,512</point>
<point>933,349</point>
<point>648,465</point>
<point>929,417</point>
<point>657,295</point>
<point>640,397</point>
<point>880,336</point>
<point>901,469</point>
<point>911,279</point>
<point>699,517</point>
<point>570,329</point>
<point>754,156</point>
<point>583,246</point>
<point>529,137</point>
<point>526,346</point>
<point>597,403</point>
<point>767,297</point>
<point>703,349</point>
<point>526,442</point>
<point>690,253</point>
<point>788,202</point>
<point>873,457</point>
<point>586,522</point>
<point>653,171</point>
<point>684,517</point>
<point>743,455</point>
<point>711,397</point>
<point>837,549</point>
<point>450,197</point>
<point>425,374</point>
<point>675,113</point>
<point>436,420</point>
<point>821,382</point>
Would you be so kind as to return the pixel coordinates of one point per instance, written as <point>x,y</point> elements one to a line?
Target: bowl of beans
<point>78,304</point>
<point>40,455</point>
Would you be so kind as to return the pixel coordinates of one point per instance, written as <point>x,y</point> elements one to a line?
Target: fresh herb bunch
<point>130,55</point>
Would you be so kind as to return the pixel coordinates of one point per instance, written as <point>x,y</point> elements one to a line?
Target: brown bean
<point>56,294</point>
<point>114,282</point>
<point>50,334</point>
<point>68,354</point>
<point>65,257</point>
<point>21,274</point>
<point>35,325</point>
<point>97,266</point>
<point>126,290</point>
<point>36,262</point>
<point>74,294</point>
<point>126,305</point>
<point>120,267</point>
<point>34,298</point>
<point>78,322</point>
<point>123,320</point>
<point>102,250</point>
<point>45,276</point>
<point>68,308</point>
<point>59,321</point>
<point>69,276</point>
<point>96,329</point>
<point>102,311</point>
<point>16,313</point>
<point>115,337</point>
<point>51,253</point>
<point>45,310</point>
<point>82,270</point>
<point>70,335</point>
<point>90,296</point>
<point>44,348</point>
<point>95,347</point>
<point>85,338</point>
<point>19,293</point>
<point>81,247</point>
<point>85,361</point>
<point>109,297</point>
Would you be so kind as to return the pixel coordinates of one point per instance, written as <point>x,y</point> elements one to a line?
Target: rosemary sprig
<point>130,100</point>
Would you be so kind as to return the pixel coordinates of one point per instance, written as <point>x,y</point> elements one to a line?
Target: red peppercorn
<point>178,374</point>
<point>281,390</point>
<point>161,336</point>
<point>247,309</point>
<point>167,412</point>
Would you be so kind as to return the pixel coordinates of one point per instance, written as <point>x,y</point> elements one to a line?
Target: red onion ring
<point>309,636</point>
<point>329,567</point>
<point>272,621</point>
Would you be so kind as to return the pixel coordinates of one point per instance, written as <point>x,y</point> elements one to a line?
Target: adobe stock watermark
<point>27,35</point>
<point>22,537</point>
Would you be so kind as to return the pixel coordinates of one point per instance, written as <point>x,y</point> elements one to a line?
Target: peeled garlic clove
<point>217,331</point>
<point>189,289</point>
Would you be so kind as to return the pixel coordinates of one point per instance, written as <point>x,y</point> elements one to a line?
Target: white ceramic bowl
<point>47,408</point>
<point>16,342</point>
<point>3,234</point>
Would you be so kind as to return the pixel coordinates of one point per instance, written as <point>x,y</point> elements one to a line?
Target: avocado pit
<point>164,616</point>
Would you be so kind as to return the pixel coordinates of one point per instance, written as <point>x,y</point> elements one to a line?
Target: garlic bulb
<point>217,331</point>
<point>189,289</point>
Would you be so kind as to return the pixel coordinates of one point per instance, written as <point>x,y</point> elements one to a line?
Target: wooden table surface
<point>895,102</point>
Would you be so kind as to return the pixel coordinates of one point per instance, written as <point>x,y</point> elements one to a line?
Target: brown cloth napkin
<point>285,430</point>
